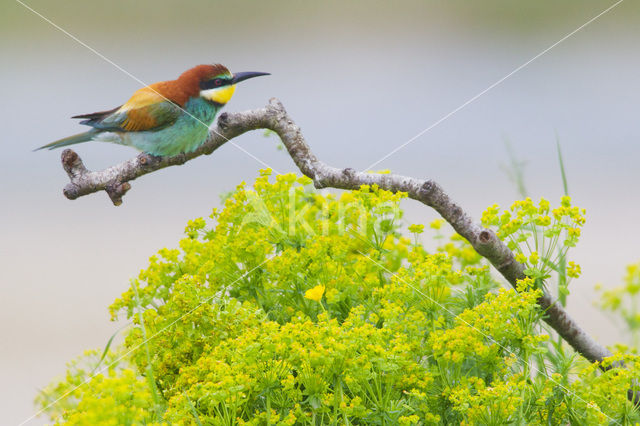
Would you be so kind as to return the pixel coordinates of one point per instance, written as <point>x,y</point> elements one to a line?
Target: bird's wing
<point>147,110</point>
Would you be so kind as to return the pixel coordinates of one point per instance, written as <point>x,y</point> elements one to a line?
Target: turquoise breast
<point>188,132</point>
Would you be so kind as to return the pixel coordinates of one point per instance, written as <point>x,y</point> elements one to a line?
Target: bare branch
<point>115,181</point>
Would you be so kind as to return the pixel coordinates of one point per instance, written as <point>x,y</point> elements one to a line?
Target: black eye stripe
<point>215,82</point>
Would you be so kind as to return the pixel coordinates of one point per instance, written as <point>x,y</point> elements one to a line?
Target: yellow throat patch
<point>220,95</point>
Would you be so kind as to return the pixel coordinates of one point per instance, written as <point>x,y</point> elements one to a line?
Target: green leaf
<point>106,348</point>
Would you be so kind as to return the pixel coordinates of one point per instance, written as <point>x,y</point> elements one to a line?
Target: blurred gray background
<point>360,78</point>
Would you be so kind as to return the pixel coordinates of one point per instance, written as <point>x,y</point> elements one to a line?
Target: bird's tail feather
<point>71,140</point>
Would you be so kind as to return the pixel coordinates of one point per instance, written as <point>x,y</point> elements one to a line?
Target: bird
<point>166,118</point>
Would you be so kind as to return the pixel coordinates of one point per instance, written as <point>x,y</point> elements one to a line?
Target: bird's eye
<point>213,83</point>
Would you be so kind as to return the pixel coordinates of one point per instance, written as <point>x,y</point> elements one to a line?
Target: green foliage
<point>117,396</point>
<point>622,301</point>
<point>296,307</point>
<point>541,237</point>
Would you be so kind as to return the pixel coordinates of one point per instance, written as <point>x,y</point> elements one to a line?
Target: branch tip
<point>116,191</point>
<point>72,163</point>
<point>71,191</point>
<point>68,157</point>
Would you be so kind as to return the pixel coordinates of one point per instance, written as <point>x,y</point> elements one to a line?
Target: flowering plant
<point>292,306</point>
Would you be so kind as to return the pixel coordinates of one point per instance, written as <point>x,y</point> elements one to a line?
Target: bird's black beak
<point>241,76</point>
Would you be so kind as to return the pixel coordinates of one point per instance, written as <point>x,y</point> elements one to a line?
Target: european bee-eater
<point>165,118</point>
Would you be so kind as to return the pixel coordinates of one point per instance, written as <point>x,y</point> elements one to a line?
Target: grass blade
<point>106,348</point>
<point>565,184</point>
<point>515,170</point>
<point>194,412</point>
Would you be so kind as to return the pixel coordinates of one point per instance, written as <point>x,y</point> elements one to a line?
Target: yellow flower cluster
<point>540,237</point>
<point>117,396</point>
<point>483,333</point>
<point>489,405</point>
<point>323,368</point>
<point>416,229</point>
<point>295,307</point>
